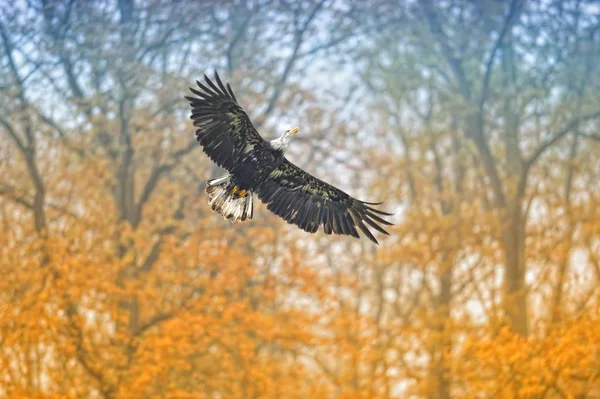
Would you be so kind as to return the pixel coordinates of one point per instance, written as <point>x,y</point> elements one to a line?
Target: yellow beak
<point>295,130</point>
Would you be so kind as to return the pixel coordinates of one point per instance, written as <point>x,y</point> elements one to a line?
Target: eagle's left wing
<point>224,128</point>
<point>309,202</point>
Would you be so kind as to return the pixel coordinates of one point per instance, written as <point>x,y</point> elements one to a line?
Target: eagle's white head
<point>283,142</point>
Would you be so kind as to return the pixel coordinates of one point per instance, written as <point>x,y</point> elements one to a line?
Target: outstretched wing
<point>309,203</point>
<point>224,129</point>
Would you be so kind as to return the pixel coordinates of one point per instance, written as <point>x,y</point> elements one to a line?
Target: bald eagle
<point>257,166</point>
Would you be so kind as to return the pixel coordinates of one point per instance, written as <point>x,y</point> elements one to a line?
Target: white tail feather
<point>218,180</point>
<point>228,205</point>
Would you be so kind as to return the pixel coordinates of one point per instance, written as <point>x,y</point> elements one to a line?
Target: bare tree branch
<point>9,192</point>
<point>455,63</point>
<point>299,34</point>
<point>558,136</point>
<point>595,137</point>
<point>27,150</point>
<point>239,34</point>
<point>155,176</point>
<point>12,133</point>
<point>489,65</point>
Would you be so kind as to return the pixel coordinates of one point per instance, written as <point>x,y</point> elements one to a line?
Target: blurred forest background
<point>477,122</point>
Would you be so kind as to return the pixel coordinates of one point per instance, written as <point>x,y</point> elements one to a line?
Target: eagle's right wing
<point>308,202</point>
<point>224,129</point>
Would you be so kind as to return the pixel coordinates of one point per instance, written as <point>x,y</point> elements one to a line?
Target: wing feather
<point>376,226</point>
<point>213,86</point>
<point>304,200</point>
<point>325,220</point>
<point>221,86</point>
<point>224,128</point>
<point>231,92</point>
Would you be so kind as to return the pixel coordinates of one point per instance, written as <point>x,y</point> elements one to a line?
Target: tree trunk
<point>515,296</point>
<point>513,234</point>
<point>440,371</point>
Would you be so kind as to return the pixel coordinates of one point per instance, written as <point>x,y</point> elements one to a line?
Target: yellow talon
<point>243,193</point>
<point>235,190</point>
